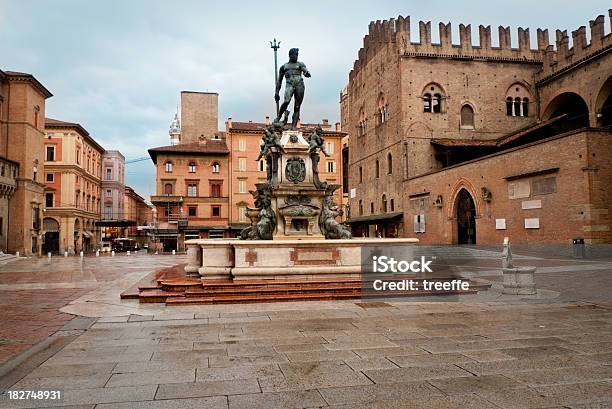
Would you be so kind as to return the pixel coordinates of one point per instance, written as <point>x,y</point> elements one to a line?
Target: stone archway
<point>51,237</point>
<point>603,104</point>
<point>574,108</point>
<point>465,213</point>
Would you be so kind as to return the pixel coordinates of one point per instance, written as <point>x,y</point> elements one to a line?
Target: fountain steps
<point>173,289</point>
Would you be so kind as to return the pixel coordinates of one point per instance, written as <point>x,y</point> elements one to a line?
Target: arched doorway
<point>603,104</point>
<point>51,229</point>
<point>466,218</point>
<point>573,106</point>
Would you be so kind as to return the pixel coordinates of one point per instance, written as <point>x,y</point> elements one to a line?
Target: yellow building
<point>72,163</point>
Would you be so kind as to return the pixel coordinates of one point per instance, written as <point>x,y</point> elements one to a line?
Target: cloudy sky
<point>117,67</point>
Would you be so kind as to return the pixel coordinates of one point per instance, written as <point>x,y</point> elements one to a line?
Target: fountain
<point>294,232</point>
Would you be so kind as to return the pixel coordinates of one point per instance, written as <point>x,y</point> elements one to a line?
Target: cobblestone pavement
<point>33,290</point>
<point>337,355</point>
<point>481,352</point>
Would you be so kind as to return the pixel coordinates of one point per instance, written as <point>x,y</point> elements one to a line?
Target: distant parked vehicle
<point>124,244</point>
<point>106,247</point>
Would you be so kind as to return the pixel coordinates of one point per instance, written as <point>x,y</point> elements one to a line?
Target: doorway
<point>466,218</point>
<point>51,237</point>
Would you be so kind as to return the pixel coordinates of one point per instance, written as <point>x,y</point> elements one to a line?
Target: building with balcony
<point>191,191</point>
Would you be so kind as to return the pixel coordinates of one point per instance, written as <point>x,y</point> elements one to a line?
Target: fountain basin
<point>280,259</point>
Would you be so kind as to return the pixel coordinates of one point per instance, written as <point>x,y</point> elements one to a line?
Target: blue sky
<point>117,67</point>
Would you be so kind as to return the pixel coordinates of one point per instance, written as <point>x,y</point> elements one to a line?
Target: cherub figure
<point>270,140</point>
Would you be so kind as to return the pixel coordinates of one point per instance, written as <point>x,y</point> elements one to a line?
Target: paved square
<point>525,353</point>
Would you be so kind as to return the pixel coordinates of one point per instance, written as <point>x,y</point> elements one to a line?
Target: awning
<point>377,217</point>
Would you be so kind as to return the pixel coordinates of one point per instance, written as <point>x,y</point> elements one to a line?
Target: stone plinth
<point>282,259</point>
<point>215,258</point>
<point>519,281</point>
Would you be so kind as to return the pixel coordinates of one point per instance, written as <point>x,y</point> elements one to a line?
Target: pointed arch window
<point>192,167</point>
<point>389,164</point>
<point>377,168</point>
<point>384,203</point>
<point>169,166</point>
<point>216,168</point>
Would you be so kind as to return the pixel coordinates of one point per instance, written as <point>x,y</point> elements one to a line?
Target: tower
<point>175,130</point>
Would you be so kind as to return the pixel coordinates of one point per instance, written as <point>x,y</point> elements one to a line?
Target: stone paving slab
<point>72,370</point>
<point>216,402</point>
<point>429,360</point>
<point>277,400</point>
<point>415,373</point>
<point>311,375</point>
<point>475,384</point>
<point>63,383</point>
<point>202,389</point>
<point>239,372</point>
<point>151,378</point>
<point>368,394</point>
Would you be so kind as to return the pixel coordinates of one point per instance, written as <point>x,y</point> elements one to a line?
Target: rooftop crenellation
<point>396,31</point>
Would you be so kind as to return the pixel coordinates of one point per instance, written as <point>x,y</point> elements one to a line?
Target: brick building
<point>204,176</point>
<point>456,143</point>
<point>137,211</point>
<point>72,172</point>
<point>22,132</point>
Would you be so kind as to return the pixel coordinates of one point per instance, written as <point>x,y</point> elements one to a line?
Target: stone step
<point>255,298</point>
<point>149,296</point>
<point>272,290</point>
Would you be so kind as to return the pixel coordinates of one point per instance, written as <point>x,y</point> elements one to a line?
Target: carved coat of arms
<point>295,170</point>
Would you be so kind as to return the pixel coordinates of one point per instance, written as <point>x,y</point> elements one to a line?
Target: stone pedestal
<point>216,258</point>
<point>519,280</point>
<point>296,200</point>
<point>193,261</point>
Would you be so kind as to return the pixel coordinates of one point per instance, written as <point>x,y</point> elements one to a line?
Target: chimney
<point>338,129</point>
<point>228,123</point>
<point>267,121</point>
<point>325,123</point>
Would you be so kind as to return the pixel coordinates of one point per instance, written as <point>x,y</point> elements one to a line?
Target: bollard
<point>17,253</point>
<point>157,253</point>
<point>173,252</point>
<point>65,254</point>
<point>113,253</point>
<point>97,253</point>
<point>81,254</point>
<point>128,252</point>
<point>49,254</point>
